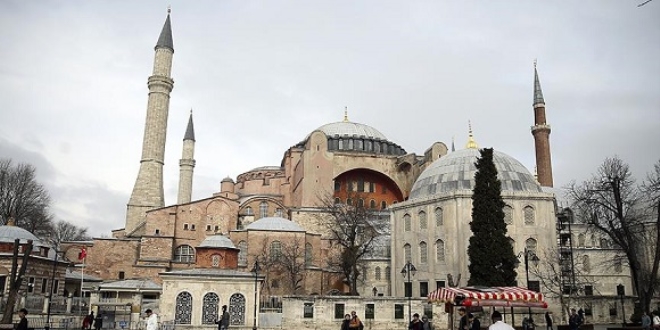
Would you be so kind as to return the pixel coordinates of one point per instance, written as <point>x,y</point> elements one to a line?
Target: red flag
<point>82,254</point>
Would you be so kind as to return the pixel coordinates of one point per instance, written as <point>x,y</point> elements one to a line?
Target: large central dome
<point>455,171</point>
<point>347,128</point>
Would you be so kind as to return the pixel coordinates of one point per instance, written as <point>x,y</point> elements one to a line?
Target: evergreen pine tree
<point>492,260</point>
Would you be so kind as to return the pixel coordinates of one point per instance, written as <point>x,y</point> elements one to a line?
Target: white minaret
<point>187,164</point>
<point>148,190</point>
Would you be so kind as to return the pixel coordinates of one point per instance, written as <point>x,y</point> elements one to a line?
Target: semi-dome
<point>456,170</point>
<point>217,241</point>
<point>9,233</point>
<point>274,224</point>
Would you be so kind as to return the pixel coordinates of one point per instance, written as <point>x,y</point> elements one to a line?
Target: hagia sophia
<point>203,252</point>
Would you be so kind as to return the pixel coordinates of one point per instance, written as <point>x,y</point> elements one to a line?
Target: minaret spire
<point>148,189</point>
<point>187,164</point>
<point>541,132</point>
<point>471,144</point>
<point>345,114</point>
<point>453,147</point>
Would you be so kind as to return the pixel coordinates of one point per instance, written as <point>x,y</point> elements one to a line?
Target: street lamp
<point>528,254</point>
<point>621,292</point>
<point>255,270</point>
<point>407,271</point>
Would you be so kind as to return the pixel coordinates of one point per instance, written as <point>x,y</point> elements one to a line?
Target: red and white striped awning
<point>488,296</point>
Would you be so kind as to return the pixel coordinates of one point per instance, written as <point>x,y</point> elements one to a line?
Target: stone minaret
<point>148,190</point>
<point>541,133</point>
<point>187,164</point>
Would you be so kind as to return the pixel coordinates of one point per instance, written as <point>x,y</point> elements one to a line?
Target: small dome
<point>217,241</point>
<point>347,128</point>
<point>227,179</point>
<point>455,171</point>
<point>274,224</point>
<point>8,234</point>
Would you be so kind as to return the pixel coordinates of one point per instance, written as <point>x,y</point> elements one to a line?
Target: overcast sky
<point>261,75</point>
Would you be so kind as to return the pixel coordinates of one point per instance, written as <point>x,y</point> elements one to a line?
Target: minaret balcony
<point>544,127</point>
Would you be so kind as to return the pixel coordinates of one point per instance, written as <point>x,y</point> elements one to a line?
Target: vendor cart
<point>475,298</point>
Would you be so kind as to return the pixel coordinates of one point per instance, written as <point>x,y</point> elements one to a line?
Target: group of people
<point>420,324</point>
<point>351,322</point>
<point>649,322</point>
<point>90,321</point>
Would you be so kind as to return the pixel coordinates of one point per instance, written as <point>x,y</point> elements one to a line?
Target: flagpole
<point>82,279</point>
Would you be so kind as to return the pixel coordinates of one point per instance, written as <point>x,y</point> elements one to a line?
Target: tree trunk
<point>15,280</point>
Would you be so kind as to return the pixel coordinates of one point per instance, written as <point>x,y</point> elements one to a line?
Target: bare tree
<point>353,231</point>
<point>63,231</point>
<point>284,263</point>
<point>23,198</point>
<point>627,213</point>
<point>16,279</point>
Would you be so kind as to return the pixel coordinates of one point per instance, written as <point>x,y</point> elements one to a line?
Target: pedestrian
<point>646,321</point>
<point>415,323</point>
<point>23,323</point>
<point>498,324</point>
<point>346,322</point>
<point>525,323</point>
<point>426,324</point>
<point>548,320</point>
<point>98,321</point>
<point>475,324</point>
<point>355,323</point>
<point>87,321</point>
<point>152,320</point>
<point>223,322</point>
<point>463,322</point>
<point>655,320</point>
<point>573,320</point>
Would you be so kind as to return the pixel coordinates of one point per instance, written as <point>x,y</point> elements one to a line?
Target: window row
<point>423,288</point>
<point>424,253</point>
<point>210,308</point>
<point>33,285</point>
<point>422,219</point>
<point>366,145</point>
<point>360,203</point>
<point>263,211</point>
<point>603,243</point>
<point>340,311</point>
<point>358,185</point>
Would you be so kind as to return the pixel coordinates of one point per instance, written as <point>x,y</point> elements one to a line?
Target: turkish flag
<point>82,254</point>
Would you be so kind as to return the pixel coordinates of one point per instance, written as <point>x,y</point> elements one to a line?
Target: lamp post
<point>528,254</point>
<point>620,291</point>
<point>256,274</point>
<point>407,271</point>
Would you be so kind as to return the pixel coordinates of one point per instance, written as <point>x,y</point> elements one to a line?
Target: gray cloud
<point>261,75</point>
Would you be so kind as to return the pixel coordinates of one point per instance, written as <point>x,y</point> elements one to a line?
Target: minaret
<point>148,190</point>
<point>187,164</point>
<point>541,133</point>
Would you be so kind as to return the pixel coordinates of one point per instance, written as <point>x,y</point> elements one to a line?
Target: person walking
<point>355,323</point>
<point>346,322</point>
<point>23,322</point>
<point>223,322</point>
<point>646,321</point>
<point>88,320</point>
<point>463,322</point>
<point>152,320</point>
<point>655,323</point>
<point>573,320</point>
<point>98,321</point>
<point>498,324</point>
<point>548,321</point>
<point>426,324</point>
<point>475,324</point>
<point>415,323</point>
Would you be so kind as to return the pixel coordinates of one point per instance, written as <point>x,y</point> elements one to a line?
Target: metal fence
<point>271,305</point>
<point>39,323</point>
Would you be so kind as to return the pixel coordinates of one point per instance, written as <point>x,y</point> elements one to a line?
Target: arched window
<point>377,273</point>
<point>422,220</point>
<point>183,308</point>
<point>528,213</point>
<point>406,222</point>
<point>215,260</point>
<point>387,273</point>
<point>337,200</point>
<point>586,266</point>
<point>237,309</point>
<point>248,211</point>
<point>439,217</point>
<point>383,205</point>
<point>440,251</point>
<point>242,254</point>
<point>275,250</point>
<point>184,253</point>
<point>349,201</point>
<point>210,308</point>
<point>309,257</point>
<point>581,240</point>
<point>618,265</point>
<point>407,255</point>
<point>603,243</point>
<point>360,203</point>
<point>530,243</point>
<point>263,209</point>
<point>508,214</point>
<point>423,253</point>
<point>372,204</point>
<point>279,212</point>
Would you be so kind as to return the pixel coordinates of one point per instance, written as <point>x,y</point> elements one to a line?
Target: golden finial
<point>11,221</point>
<point>345,114</point>
<point>169,9</point>
<point>536,174</point>
<point>471,144</point>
